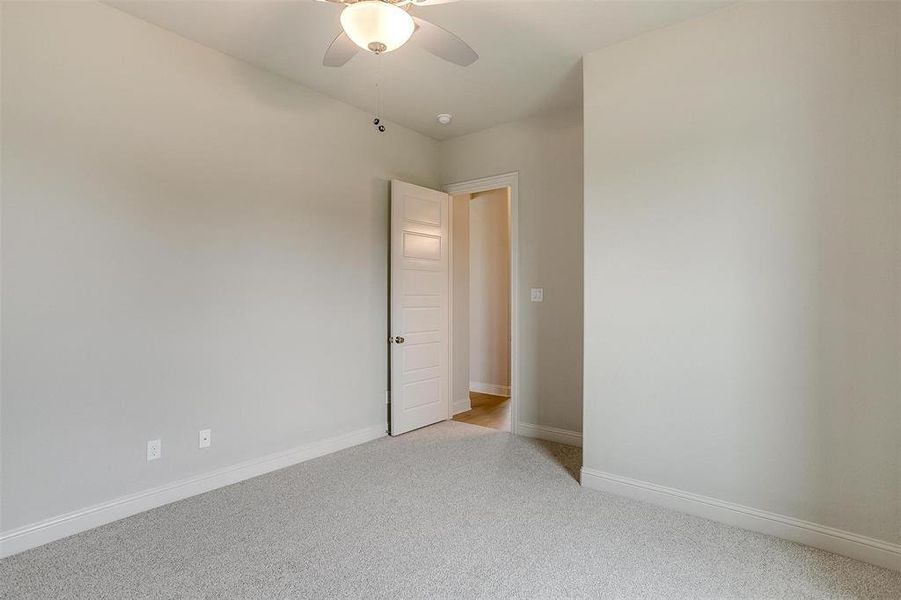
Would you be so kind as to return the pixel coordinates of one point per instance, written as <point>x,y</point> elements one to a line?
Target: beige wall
<point>460,250</point>
<point>489,290</point>
<point>547,152</point>
<point>187,242</point>
<point>742,291</point>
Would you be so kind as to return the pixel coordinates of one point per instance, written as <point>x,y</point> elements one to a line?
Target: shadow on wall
<point>381,198</point>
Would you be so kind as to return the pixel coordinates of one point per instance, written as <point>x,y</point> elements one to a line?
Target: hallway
<point>487,411</point>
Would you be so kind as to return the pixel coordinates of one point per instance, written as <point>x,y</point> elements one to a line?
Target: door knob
<point>398,340</point>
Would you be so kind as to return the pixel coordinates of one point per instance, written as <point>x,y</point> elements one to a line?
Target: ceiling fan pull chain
<point>377,121</point>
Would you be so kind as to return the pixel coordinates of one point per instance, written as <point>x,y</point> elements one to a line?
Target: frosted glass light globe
<point>377,26</point>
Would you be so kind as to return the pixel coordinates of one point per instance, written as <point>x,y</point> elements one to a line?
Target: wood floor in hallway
<point>487,411</point>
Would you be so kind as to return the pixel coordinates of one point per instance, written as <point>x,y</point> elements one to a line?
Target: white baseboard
<point>871,550</point>
<point>461,405</point>
<point>36,534</point>
<point>552,434</point>
<point>489,388</point>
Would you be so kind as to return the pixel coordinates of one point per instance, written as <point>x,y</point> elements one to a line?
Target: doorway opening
<point>482,276</point>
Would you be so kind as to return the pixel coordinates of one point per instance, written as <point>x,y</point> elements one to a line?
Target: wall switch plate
<point>205,438</point>
<point>154,449</point>
<point>537,294</point>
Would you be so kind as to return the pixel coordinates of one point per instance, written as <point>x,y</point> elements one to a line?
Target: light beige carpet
<point>450,511</point>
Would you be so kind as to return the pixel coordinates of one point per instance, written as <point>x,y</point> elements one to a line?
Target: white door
<point>420,378</point>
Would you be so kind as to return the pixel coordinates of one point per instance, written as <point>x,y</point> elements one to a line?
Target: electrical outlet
<point>537,294</point>
<point>205,438</point>
<point>154,449</point>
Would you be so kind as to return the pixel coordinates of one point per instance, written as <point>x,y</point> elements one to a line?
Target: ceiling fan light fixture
<point>376,25</point>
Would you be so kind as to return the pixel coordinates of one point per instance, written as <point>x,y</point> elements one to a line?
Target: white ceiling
<point>530,52</point>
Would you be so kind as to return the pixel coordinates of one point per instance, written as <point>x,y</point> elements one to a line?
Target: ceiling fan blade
<point>341,50</point>
<point>443,44</point>
<point>430,2</point>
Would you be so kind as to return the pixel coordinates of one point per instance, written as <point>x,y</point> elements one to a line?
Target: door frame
<point>474,186</point>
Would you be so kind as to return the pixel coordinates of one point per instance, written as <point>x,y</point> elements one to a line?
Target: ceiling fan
<point>380,26</point>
